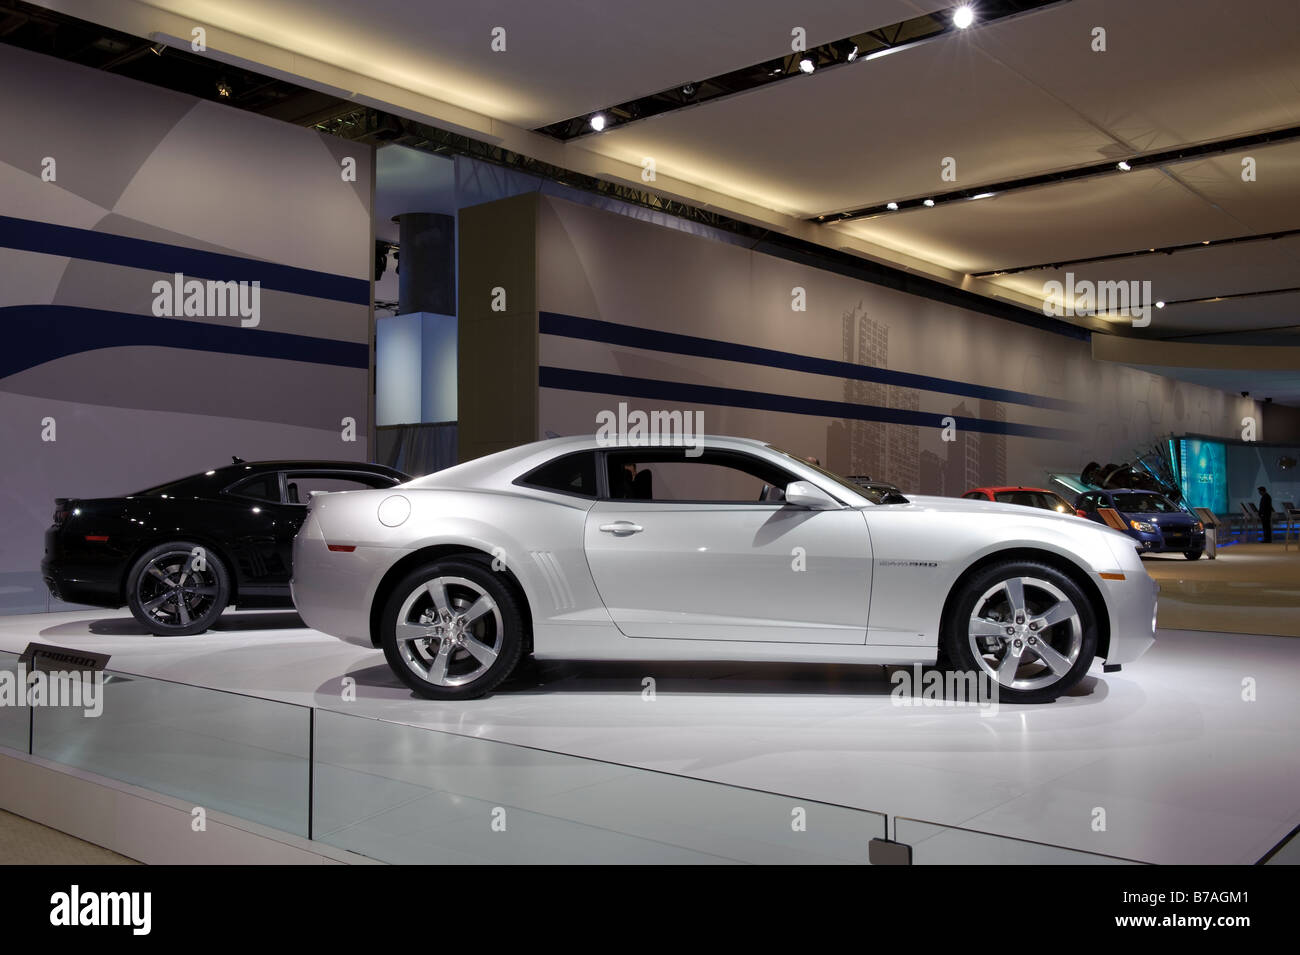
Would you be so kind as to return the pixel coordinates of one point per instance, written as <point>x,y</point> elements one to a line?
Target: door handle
<point>622,528</point>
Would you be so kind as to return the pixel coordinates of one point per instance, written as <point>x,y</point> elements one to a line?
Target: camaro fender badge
<point>909,563</point>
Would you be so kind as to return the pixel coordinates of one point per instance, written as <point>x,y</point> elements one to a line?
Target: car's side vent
<point>556,582</point>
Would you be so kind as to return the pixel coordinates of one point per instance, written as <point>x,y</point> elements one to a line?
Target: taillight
<point>1080,512</point>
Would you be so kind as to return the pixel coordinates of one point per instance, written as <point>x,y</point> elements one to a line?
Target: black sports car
<point>178,554</point>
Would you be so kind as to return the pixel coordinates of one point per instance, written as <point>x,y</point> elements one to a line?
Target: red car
<point>1026,496</point>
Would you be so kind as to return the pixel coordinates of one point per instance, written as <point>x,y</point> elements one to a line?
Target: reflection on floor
<point>23,842</point>
<point>1248,588</point>
<point>1188,767</point>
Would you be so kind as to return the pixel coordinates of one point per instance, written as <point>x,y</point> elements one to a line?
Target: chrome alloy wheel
<point>174,594</point>
<point>449,631</point>
<point>1025,633</point>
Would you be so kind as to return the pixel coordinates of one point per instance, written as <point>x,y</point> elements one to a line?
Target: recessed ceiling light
<point>597,122</point>
<point>1122,166</point>
<point>928,203</point>
<point>806,65</point>
<point>853,53</point>
<point>1160,304</point>
<point>963,17</point>
<point>985,195</point>
<point>892,206</point>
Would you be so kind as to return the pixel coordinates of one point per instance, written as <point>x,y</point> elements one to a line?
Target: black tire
<point>1193,554</point>
<point>1043,588</point>
<point>182,594</point>
<point>464,580</point>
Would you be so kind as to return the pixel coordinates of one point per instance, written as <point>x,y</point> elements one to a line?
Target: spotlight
<point>963,17</point>
<point>929,203</point>
<point>597,121</point>
<point>984,195</point>
<point>1122,166</point>
<point>806,65</point>
<point>1160,304</point>
<point>892,206</point>
<point>688,89</point>
<point>853,53</point>
<point>157,49</point>
<point>224,89</point>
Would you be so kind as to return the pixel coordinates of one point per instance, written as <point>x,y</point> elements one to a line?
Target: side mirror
<point>807,494</point>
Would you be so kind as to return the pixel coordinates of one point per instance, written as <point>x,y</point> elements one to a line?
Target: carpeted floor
<point>23,842</point>
<point>1249,588</point>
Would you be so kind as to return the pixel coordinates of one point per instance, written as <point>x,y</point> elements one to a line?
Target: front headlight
<point>1142,526</point>
<point>1199,526</point>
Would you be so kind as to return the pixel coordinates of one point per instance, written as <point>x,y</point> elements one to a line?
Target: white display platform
<point>1185,769</point>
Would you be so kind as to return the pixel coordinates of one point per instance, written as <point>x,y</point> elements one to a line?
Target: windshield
<point>877,495</point>
<point>1144,504</point>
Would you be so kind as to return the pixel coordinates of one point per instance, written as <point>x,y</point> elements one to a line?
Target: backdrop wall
<point>108,186</point>
<point>863,379</point>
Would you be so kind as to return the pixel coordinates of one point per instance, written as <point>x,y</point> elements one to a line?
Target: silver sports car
<point>728,550</point>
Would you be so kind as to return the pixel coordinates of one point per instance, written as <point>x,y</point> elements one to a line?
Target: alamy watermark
<point>927,686</point>
<point>1072,298</point>
<point>651,429</point>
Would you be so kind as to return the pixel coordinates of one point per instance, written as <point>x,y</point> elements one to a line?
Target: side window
<point>570,474</point>
<point>263,487</point>
<point>974,496</point>
<point>669,474</point>
<point>299,485</point>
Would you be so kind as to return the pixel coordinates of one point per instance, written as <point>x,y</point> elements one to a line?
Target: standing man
<point>1266,514</point>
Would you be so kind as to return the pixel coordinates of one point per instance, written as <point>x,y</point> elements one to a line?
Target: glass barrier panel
<point>405,794</point>
<point>934,844</point>
<point>14,713</point>
<point>236,754</point>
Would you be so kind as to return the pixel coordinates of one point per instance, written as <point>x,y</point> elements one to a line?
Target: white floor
<point>1183,768</point>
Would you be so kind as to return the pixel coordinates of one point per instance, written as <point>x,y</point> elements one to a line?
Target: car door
<point>682,548</point>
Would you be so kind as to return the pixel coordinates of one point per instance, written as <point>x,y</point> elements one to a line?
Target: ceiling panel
<point>866,132</point>
<point>1140,209</point>
<point>562,58</point>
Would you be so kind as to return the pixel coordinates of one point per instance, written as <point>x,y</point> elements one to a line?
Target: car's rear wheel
<point>1025,626</point>
<point>178,588</point>
<point>452,629</point>
<point>1193,554</point>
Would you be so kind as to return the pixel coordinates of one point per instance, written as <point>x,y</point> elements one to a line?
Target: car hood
<point>960,505</point>
<point>1158,517</point>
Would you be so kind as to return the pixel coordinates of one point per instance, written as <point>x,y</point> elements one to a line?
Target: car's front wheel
<point>1193,554</point>
<point>452,629</point>
<point>177,589</point>
<point>1025,626</point>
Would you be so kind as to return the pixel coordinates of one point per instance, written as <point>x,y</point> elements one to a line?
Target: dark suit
<point>1266,516</point>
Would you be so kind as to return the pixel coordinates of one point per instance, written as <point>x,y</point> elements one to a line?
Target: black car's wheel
<point>1193,554</point>
<point>452,629</point>
<point>177,588</point>
<point>1026,626</point>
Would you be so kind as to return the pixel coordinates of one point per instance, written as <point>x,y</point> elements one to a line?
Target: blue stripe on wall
<point>687,394</point>
<point>612,333</point>
<point>35,334</point>
<point>31,236</point>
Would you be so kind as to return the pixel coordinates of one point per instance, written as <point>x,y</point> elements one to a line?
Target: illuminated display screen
<point>1203,474</point>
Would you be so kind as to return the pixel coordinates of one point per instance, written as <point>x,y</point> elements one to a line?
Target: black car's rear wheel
<point>177,588</point>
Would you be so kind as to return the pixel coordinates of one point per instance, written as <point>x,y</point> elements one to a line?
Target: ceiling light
<point>963,17</point>
<point>892,206</point>
<point>157,49</point>
<point>224,89</point>
<point>853,53</point>
<point>806,65</point>
<point>929,203</point>
<point>984,195</point>
<point>597,121</point>
<point>1122,166</point>
<point>1160,304</point>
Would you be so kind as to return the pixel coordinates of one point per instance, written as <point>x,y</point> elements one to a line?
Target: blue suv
<point>1152,520</point>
